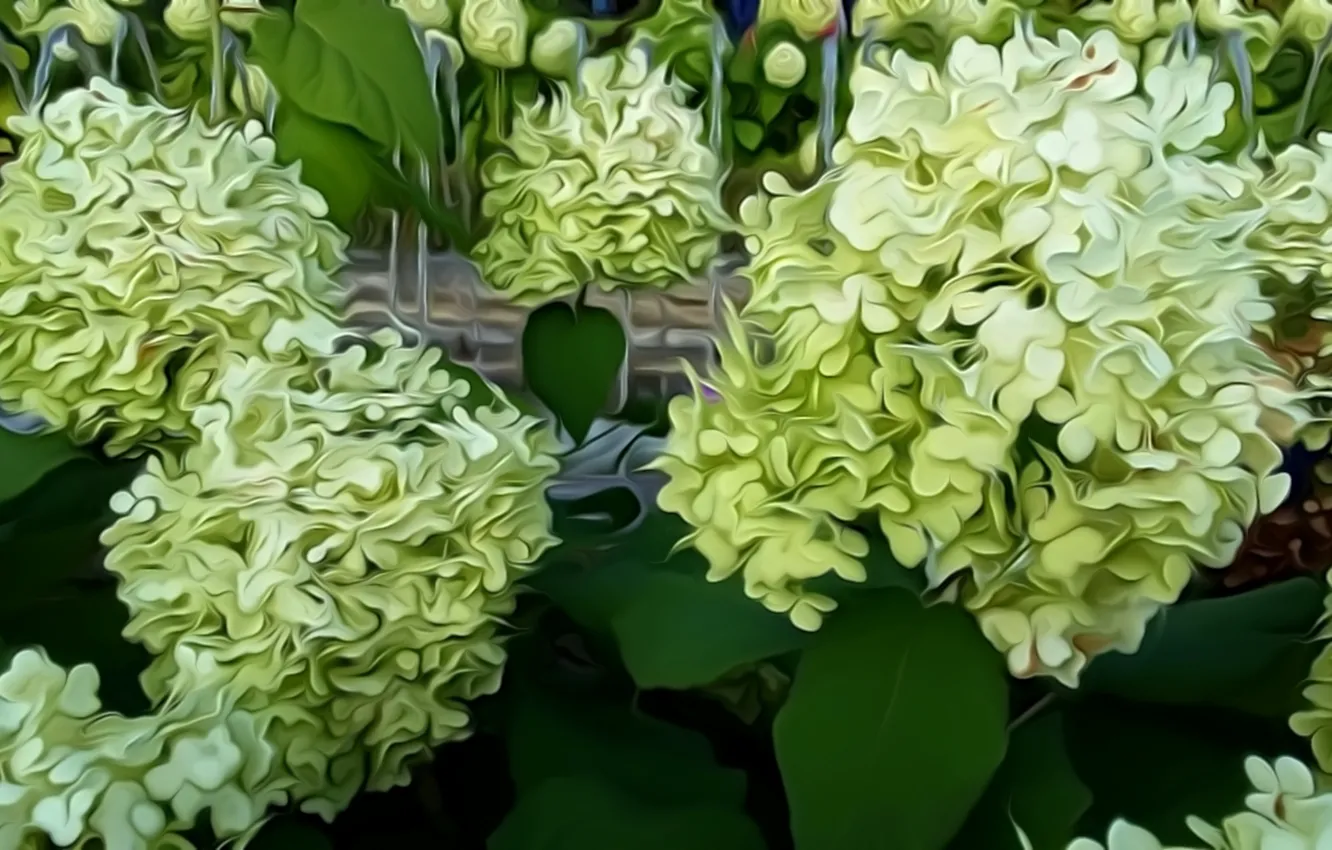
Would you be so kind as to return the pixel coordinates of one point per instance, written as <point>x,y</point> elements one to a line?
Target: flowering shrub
<point>1018,434</point>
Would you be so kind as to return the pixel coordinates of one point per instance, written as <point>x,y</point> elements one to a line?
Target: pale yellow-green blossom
<point>809,18</point>
<point>96,21</point>
<point>946,19</point>
<point>609,184</point>
<point>139,243</point>
<point>71,773</point>
<point>338,554</point>
<point>558,48</point>
<point>494,32</point>
<point>784,65</point>
<point>1013,323</point>
<point>427,14</point>
<point>1286,810</point>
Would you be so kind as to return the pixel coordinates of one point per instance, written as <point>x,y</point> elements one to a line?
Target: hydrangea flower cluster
<point>323,562</point>
<point>138,244</point>
<point>608,182</point>
<point>1286,809</point>
<point>340,547</point>
<point>1013,327</point>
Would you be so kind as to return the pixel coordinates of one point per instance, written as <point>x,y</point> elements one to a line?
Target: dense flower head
<point>946,19</point>
<point>1012,325</point>
<point>607,182</point>
<point>1285,810</point>
<point>74,774</point>
<point>341,549</point>
<point>136,244</point>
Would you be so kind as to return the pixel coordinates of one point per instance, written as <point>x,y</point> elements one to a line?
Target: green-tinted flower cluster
<point>1287,809</point>
<point>1011,327</point>
<point>71,773</point>
<point>946,19</point>
<point>609,183</point>
<point>339,549</point>
<point>322,564</point>
<point>137,244</point>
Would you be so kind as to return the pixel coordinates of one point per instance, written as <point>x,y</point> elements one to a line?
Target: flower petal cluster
<point>73,774</point>
<point>138,243</point>
<point>1286,809</point>
<point>337,553</point>
<point>607,182</point>
<point>1012,327</point>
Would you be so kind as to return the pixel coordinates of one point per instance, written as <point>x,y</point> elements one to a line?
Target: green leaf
<point>334,160</point>
<point>570,360</point>
<point>749,134</point>
<point>1036,787</point>
<point>1216,651</point>
<point>771,103</point>
<point>352,62</point>
<point>289,832</point>
<point>1155,765</point>
<point>583,813</point>
<point>558,725</point>
<point>894,726</point>
<point>25,458</point>
<point>673,627</point>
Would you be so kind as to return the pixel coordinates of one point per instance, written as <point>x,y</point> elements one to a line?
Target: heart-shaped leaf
<point>570,361</point>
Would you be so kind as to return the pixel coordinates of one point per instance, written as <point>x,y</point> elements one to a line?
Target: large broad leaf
<point>894,726</point>
<point>584,813</point>
<point>673,627</point>
<point>352,62</point>
<point>1036,789</point>
<point>1156,765</point>
<point>558,723</point>
<point>570,360</point>
<point>25,458</point>
<point>335,160</point>
<point>1221,651</point>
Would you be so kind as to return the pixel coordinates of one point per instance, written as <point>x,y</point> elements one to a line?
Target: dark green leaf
<point>1216,651</point>
<point>894,726</point>
<point>352,62</point>
<point>570,361</point>
<point>289,832</point>
<point>1155,765</point>
<point>25,458</point>
<point>771,103</point>
<point>557,725</point>
<point>1035,788</point>
<point>335,160</point>
<point>674,628</point>
<point>584,813</point>
<point>749,134</point>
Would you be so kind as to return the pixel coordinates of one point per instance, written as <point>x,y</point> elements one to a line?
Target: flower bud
<point>495,31</point>
<point>557,48</point>
<point>191,20</point>
<point>426,14</point>
<point>809,18</point>
<point>784,66</point>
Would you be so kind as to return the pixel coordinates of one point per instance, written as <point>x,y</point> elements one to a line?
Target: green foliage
<point>570,359</point>
<point>1220,652</point>
<point>353,63</point>
<point>879,748</point>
